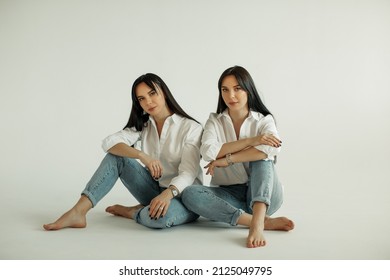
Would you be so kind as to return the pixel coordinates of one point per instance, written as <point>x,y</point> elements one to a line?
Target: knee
<point>191,191</point>
<point>112,159</point>
<point>144,219</point>
<point>120,161</point>
<point>261,163</point>
<point>191,196</point>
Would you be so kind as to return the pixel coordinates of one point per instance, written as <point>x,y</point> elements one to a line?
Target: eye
<point>153,92</point>
<point>140,99</point>
<point>237,88</point>
<point>224,90</point>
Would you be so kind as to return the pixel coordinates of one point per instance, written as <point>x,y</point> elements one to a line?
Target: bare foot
<point>255,238</point>
<point>279,223</point>
<point>72,218</point>
<point>123,211</point>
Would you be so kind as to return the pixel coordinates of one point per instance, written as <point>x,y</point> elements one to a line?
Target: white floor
<point>334,221</point>
<point>323,67</point>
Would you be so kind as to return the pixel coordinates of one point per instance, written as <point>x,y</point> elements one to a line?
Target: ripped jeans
<point>227,203</point>
<point>141,185</point>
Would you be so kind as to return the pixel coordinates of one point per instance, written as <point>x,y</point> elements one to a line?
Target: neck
<point>238,116</point>
<point>160,119</point>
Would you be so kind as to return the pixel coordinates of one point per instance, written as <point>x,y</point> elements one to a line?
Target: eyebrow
<point>233,86</point>
<point>147,93</point>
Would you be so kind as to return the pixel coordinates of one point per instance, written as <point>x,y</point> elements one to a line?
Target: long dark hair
<point>246,82</point>
<point>138,117</point>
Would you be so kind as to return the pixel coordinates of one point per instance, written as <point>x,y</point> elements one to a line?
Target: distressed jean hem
<point>236,216</point>
<point>90,196</point>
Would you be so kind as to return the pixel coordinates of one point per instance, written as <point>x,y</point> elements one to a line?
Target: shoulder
<point>260,117</point>
<point>130,131</point>
<point>186,123</point>
<point>215,117</point>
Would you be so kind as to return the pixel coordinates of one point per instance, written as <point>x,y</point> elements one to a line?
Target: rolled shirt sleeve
<point>211,142</point>
<point>127,136</point>
<point>268,126</point>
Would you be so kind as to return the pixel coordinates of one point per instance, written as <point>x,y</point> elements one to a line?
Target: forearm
<point>235,146</point>
<point>124,150</point>
<point>248,155</point>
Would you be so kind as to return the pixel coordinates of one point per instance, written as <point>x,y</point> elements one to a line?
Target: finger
<point>273,141</point>
<point>157,170</point>
<point>160,210</point>
<point>276,140</point>
<point>153,212</point>
<point>151,170</point>
<point>209,170</point>
<point>153,208</point>
<point>165,211</point>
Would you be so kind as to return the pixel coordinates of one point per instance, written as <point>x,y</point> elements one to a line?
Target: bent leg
<point>264,186</point>
<point>222,204</point>
<point>133,175</point>
<point>138,181</point>
<point>265,196</point>
<point>98,186</point>
<point>177,214</point>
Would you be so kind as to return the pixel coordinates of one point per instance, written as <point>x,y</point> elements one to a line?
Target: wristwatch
<point>174,191</point>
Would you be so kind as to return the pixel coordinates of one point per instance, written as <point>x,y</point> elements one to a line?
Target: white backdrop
<point>323,69</point>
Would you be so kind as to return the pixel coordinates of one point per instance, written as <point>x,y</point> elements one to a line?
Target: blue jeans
<point>227,203</point>
<point>141,185</point>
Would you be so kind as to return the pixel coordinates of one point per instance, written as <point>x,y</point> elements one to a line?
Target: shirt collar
<point>252,114</point>
<point>175,118</point>
<point>225,114</point>
<point>255,115</point>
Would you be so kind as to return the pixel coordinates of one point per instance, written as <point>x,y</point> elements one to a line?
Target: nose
<point>232,94</point>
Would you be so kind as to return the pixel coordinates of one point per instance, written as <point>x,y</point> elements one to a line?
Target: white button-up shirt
<point>177,148</point>
<point>219,129</point>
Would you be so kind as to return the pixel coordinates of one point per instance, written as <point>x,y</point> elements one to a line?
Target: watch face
<point>174,192</point>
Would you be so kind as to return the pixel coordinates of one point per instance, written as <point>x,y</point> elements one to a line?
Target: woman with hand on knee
<point>166,140</point>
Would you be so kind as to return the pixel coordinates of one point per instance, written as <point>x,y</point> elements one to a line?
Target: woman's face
<point>235,98</point>
<point>152,101</point>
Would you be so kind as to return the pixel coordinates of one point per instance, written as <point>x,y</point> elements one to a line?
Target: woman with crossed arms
<point>240,142</point>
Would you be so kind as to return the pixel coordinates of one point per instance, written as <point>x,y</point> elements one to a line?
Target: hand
<point>159,205</point>
<point>268,139</point>
<point>153,165</point>
<point>221,162</point>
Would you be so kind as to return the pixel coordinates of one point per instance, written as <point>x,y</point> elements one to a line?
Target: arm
<point>247,155</point>
<point>247,143</point>
<point>123,150</point>
<point>216,145</point>
<point>120,144</point>
<point>268,127</point>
